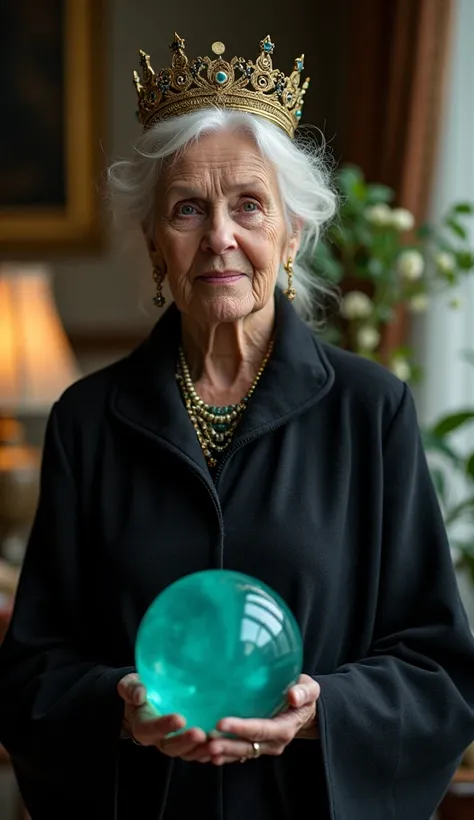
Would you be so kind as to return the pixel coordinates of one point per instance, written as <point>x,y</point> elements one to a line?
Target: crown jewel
<point>239,84</point>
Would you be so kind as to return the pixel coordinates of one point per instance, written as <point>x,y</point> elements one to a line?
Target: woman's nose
<point>219,234</point>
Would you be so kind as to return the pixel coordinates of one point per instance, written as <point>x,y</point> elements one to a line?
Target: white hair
<point>302,172</point>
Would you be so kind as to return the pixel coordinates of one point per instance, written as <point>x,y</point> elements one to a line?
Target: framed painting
<point>52,126</point>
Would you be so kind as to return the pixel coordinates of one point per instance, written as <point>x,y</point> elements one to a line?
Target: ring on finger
<point>256,752</point>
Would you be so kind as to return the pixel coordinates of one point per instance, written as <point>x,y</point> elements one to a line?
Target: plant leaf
<point>452,422</point>
<point>362,234</point>
<point>351,181</point>
<point>456,227</point>
<point>466,556</point>
<point>375,267</point>
<point>425,231</point>
<point>460,510</point>
<point>434,444</point>
<point>465,260</point>
<point>470,466</point>
<point>377,194</point>
<point>332,270</point>
<point>464,208</point>
<point>466,547</point>
<point>439,482</point>
<point>383,312</point>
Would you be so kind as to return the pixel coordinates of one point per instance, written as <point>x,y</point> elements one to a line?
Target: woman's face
<point>220,232</point>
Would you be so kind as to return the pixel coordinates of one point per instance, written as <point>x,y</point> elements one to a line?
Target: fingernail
<point>299,694</point>
<point>138,695</point>
<point>225,726</point>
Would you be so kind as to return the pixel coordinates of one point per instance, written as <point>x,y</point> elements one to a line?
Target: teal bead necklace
<point>214,426</point>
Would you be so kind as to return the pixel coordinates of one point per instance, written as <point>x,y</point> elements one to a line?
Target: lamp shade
<point>36,360</point>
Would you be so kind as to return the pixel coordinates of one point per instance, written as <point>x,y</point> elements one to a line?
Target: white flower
<point>445,262</point>
<point>356,305</point>
<point>411,265</point>
<point>380,215</point>
<point>368,338</point>
<point>401,368</point>
<point>456,303</point>
<point>402,219</point>
<point>419,303</point>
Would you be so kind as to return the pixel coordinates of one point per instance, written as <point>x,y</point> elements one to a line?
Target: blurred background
<point>391,90</point>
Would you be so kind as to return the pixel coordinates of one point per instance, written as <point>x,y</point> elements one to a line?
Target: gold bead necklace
<point>214,425</point>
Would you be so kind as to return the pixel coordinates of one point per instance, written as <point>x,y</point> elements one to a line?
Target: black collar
<point>148,398</point>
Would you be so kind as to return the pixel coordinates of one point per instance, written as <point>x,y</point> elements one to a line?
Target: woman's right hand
<point>149,730</point>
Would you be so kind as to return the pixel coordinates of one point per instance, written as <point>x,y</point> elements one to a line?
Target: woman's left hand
<point>268,736</point>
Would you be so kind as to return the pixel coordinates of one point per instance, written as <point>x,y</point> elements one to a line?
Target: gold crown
<point>241,85</point>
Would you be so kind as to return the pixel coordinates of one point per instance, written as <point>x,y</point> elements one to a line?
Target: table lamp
<point>36,365</point>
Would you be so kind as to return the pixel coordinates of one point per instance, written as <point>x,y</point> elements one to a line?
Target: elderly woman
<point>233,437</point>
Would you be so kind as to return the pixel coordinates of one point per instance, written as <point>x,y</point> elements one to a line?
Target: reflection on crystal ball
<point>217,644</point>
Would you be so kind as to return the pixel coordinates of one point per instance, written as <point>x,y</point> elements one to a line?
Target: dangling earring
<point>290,292</point>
<point>158,300</point>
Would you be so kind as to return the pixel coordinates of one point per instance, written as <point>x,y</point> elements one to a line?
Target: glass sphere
<point>217,644</point>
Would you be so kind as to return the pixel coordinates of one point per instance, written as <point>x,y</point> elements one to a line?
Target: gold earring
<point>158,300</point>
<point>290,292</point>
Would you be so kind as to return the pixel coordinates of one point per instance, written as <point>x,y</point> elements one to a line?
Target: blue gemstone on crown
<point>299,65</point>
<point>298,114</point>
<point>221,77</point>
<point>268,47</point>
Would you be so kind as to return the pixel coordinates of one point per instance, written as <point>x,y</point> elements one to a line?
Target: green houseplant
<point>384,263</point>
<point>452,469</point>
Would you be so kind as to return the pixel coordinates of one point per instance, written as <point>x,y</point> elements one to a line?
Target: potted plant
<point>452,470</point>
<point>386,266</point>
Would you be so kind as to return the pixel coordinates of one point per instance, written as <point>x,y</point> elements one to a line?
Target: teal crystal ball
<point>218,644</point>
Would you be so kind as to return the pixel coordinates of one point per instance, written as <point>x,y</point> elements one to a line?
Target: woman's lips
<point>221,278</point>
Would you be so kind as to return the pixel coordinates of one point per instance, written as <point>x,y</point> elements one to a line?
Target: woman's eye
<point>186,210</point>
<point>250,207</point>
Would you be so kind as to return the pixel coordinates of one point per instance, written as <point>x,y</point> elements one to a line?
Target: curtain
<point>396,89</point>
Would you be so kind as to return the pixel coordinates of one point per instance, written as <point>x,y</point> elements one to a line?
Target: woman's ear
<point>295,239</point>
<point>156,258</point>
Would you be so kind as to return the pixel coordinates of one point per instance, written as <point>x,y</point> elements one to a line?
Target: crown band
<point>239,85</point>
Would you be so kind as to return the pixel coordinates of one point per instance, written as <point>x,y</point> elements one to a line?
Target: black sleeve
<point>394,724</point>
<point>60,715</point>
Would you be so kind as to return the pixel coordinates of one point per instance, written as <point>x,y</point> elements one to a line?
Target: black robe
<point>324,495</point>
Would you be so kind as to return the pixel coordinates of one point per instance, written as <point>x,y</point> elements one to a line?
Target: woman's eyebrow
<point>183,189</point>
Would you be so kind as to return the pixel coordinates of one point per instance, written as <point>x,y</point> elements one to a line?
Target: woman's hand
<point>149,730</point>
<point>270,736</point>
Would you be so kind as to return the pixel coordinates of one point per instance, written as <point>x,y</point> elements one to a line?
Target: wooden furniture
<point>459,801</point>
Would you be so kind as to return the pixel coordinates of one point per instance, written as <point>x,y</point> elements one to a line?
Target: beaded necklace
<point>214,426</point>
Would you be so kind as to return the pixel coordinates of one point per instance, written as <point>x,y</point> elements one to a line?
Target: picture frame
<point>51,146</point>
